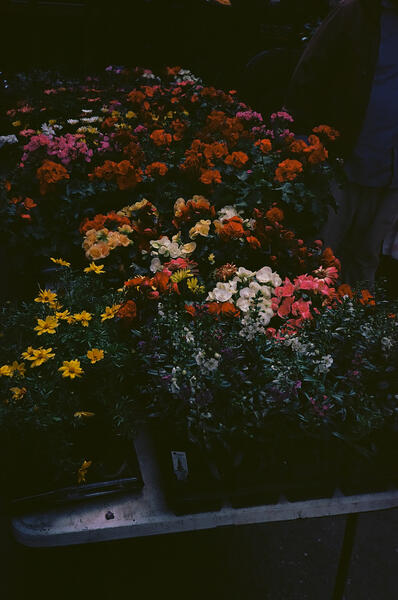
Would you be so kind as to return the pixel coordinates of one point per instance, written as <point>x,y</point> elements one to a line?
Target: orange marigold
<point>230,229</point>
<point>288,170</point>
<point>49,174</point>
<point>329,132</point>
<point>127,176</point>
<point>275,215</point>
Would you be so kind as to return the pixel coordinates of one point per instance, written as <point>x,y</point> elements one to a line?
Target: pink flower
<point>302,308</point>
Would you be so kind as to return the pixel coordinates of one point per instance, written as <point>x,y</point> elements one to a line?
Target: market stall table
<point>146,513</point>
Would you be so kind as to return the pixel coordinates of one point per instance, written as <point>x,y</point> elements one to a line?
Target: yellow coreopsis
<point>110,312</point>
<point>83,317</point>
<point>83,413</point>
<point>18,369</point>
<point>60,261</point>
<point>38,356</point>
<point>71,368</point>
<point>93,268</point>
<point>95,355</point>
<point>46,296</point>
<point>47,325</point>
<point>18,393</point>
<point>82,472</point>
<point>5,370</point>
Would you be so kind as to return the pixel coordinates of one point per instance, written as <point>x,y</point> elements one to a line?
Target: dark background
<point>216,42</point>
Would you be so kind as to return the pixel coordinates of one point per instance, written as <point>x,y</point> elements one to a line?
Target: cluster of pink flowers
<point>67,147</point>
<point>297,301</point>
<point>283,115</point>
<point>249,115</point>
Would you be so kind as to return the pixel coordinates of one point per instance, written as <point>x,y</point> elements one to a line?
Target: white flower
<point>243,274</point>
<point>243,304</point>
<point>48,130</point>
<point>266,291</point>
<point>8,139</point>
<point>325,363</point>
<point>90,119</point>
<point>156,265</point>
<point>72,121</point>
<point>264,275</point>
<point>247,293</point>
<point>227,212</point>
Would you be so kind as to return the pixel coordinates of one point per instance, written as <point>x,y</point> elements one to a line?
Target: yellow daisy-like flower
<point>40,356</point>
<point>63,315</point>
<point>18,393</point>
<point>71,368</point>
<point>95,355</point>
<point>18,368</point>
<point>16,123</point>
<point>193,286</point>
<point>29,353</point>
<point>46,296</point>
<point>211,258</point>
<point>60,261</point>
<point>83,317</point>
<point>6,371</point>
<point>47,325</point>
<point>83,413</point>
<point>180,275</point>
<point>55,305</point>
<point>110,312</point>
<point>93,268</point>
<point>130,114</point>
<point>82,472</point>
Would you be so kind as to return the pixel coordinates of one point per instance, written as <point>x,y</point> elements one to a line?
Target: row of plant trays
<point>195,481</point>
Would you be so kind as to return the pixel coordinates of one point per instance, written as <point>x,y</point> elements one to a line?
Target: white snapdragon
<point>324,364</point>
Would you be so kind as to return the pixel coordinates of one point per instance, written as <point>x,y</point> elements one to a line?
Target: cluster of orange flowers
<point>126,175</point>
<point>156,168</point>
<point>98,244</point>
<point>195,209</point>
<point>49,174</point>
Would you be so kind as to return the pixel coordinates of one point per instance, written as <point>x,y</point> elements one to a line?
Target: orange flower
<point>330,260</point>
<point>236,159</point>
<point>127,176</point>
<point>190,309</point>
<point>226,309</point>
<point>160,137</point>
<point>253,242</point>
<point>329,132</point>
<point>156,168</point>
<point>274,215</point>
<point>366,298</point>
<point>49,174</point>
<point>210,176</point>
<point>128,311</point>
<point>136,97</point>
<point>297,146</point>
<point>230,229</point>
<point>264,145</point>
<point>345,290</point>
<point>288,170</point>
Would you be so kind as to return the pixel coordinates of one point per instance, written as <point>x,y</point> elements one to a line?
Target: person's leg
<point>339,220</point>
<point>376,210</point>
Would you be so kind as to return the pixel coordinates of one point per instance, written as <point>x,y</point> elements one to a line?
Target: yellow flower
<point>19,367</point>
<point>83,413</point>
<point>180,275</point>
<point>5,370</point>
<point>84,318</point>
<point>60,261</point>
<point>63,315</point>
<point>211,258</point>
<point>110,312</point>
<point>16,123</point>
<point>189,248</point>
<point>82,472</point>
<point>40,356</point>
<point>130,114</point>
<point>29,353</point>
<point>97,269</point>
<point>47,325</point>
<point>95,355</point>
<point>71,368</point>
<point>55,305</point>
<point>193,286</point>
<point>18,393</point>
<point>46,296</point>
<point>202,228</point>
<point>52,121</point>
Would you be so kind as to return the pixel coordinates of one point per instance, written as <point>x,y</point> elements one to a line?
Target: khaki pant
<point>357,230</point>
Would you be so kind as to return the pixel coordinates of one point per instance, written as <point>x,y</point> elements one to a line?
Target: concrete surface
<point>277,561</point>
